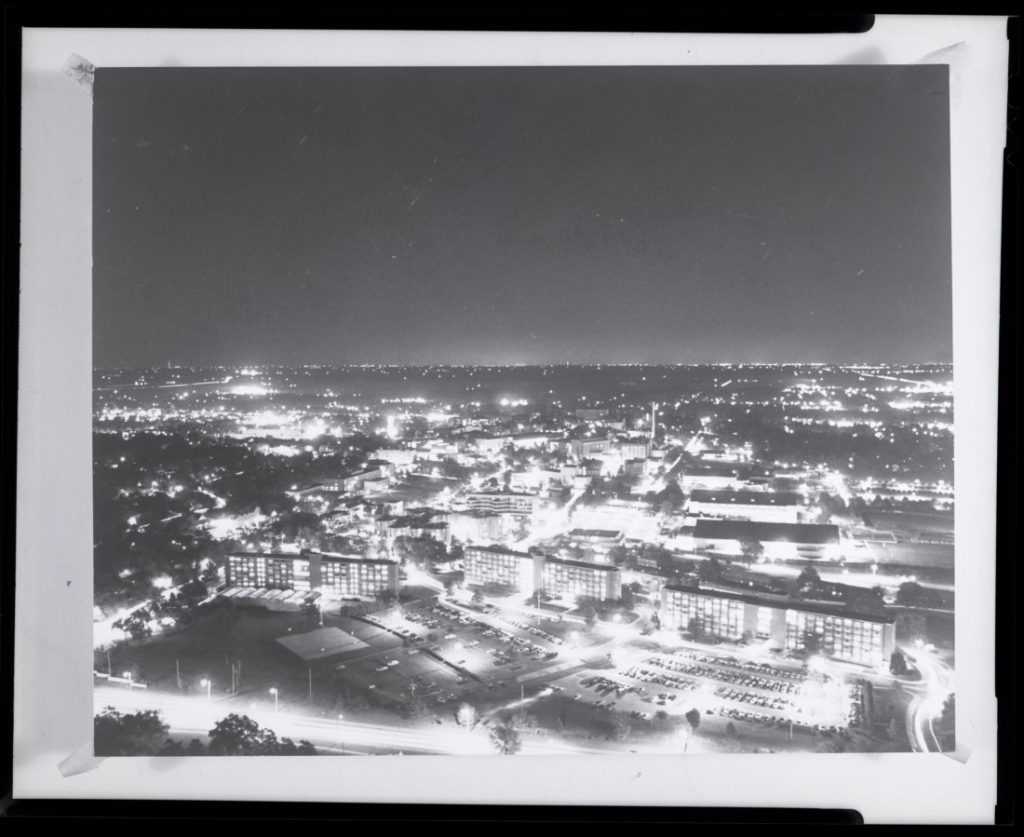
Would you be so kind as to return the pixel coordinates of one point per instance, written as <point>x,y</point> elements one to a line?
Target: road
<point>556,525</point>
<point>931,691</point>
<point>193,717</point>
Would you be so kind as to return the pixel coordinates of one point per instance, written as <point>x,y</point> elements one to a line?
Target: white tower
<point>654,421</point>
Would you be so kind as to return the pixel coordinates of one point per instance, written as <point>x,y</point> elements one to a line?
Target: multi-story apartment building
<point>502,502</point>
<point>635,448</point>
<point>479,527</point>
<point>498,568</point>
<point>307,572</point>
<point>572,579</point>
<point>344,576</point>
<point>582,448</point>
<point>794,626</point>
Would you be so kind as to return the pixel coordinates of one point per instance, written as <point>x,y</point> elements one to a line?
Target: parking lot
<point>721,686</point>
<point>450,655</point>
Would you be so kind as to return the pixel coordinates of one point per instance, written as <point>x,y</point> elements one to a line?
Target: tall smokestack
<point>654,421</point>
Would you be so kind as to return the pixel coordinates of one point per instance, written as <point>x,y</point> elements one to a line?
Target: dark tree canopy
<point>138,734</point>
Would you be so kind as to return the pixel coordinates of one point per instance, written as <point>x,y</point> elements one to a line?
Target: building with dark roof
<point>765,506</point>
<point>781,541</point>
<point>835,632</point>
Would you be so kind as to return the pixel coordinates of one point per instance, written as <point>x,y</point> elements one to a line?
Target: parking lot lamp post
<point>273,691</point>
<point>205,683</point>
<point>340,745</point>
<point>128,677</point>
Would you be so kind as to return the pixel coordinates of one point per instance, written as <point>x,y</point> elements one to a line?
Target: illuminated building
<point>599,539</point>
<point>794,626</point>
<point>582,448</point>
<point>766,506</point>
<point>357,479</point>
<point>413,526</point>
<point>634,467</point>
<point>502,502</point>
<point>396,456</point>
<point>571,579</point>
<point>491,444</point>
<point>497,567</point>
<point>533,479</point>
<point>635,448</point>
<point>710,475</point>
<point>344,576</point>
<point>306,572</point>
<point>479,526</point>
<point>781,541</point>
<point>719,475</point>
<point>530,440</point>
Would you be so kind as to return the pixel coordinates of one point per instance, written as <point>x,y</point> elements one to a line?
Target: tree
<point>866,602</point>
<point>506,740</point>
<point>522,719</point>
<point>172,748</point>
<point>710,570</point>
<point>695,628</point>
<point>618,555</point>
<point>911,627</point>
<point>240,735</point>
<point>138,734</point>
<point>670,498</point>
<point>416,708</point>
<point>621,728</point>
<point>136,624</point>
<point>812,643</point>
<point>693,718</point>
<point>235,735</point>
<point>829,745</point>
<point>467,716</point>
<point>912,594</point>
<point>752,548</point>
<point>478,597</point>
<point>898,663</point>
<point>589,615</point>
<point>422,552</point>
<point>808,576</point>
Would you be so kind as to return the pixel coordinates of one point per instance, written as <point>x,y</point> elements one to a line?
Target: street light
<point>273,691</point>
<point>205,683</point>
<point>128,676</point>
<point>340,747</point>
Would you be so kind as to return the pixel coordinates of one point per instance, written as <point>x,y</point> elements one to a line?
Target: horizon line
<point>598,365</point>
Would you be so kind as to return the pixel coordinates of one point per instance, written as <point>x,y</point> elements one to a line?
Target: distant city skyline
<point>521,216</point>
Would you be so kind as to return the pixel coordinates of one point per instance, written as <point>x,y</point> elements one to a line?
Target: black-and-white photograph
<point>523,410</point>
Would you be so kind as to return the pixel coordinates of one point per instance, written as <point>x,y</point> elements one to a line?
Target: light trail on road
<point>196,716</point>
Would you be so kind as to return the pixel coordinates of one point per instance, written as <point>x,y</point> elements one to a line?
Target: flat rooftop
<point>781,603</point>
<point>746,498</point>
<point>818,534</point>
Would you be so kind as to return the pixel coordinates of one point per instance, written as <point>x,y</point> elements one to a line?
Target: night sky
<point>521,215</point>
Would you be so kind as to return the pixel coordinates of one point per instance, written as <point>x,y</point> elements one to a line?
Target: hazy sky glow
<point>521,215</point>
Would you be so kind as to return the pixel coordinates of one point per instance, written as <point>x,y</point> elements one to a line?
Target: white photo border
<point>53,647</point>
